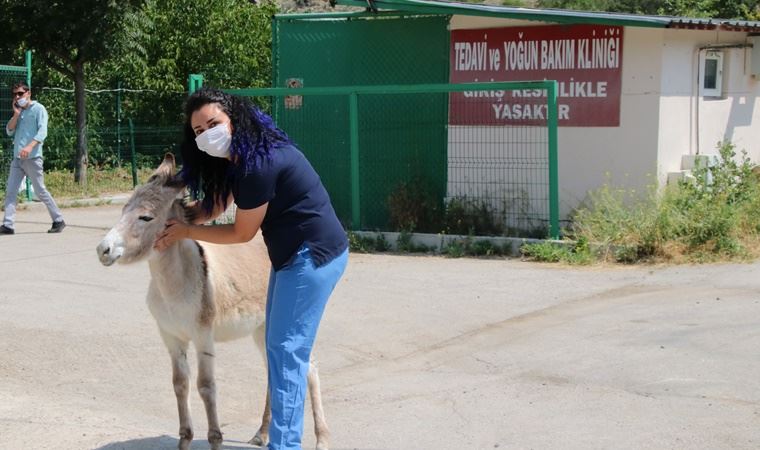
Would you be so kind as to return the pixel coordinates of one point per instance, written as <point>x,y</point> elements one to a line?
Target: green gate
<point>354,50</point>
<point>420,165</point>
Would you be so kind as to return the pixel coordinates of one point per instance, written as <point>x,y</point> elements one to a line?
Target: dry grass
<point>100,183</point>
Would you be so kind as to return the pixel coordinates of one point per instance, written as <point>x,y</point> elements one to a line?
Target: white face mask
<point>22,101</point>
<point>215,141</point>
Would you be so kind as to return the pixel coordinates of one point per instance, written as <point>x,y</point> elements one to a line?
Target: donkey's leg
<point>262,435</point>
<point>315,394</point>
<point>181,379</point>
<point>207,388</point>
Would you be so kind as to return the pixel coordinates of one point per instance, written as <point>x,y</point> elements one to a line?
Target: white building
<point>642,95</point>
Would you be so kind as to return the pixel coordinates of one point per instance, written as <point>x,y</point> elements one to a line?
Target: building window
<point>712,74</point>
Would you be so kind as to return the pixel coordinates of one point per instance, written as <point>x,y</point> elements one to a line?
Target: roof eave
<point>553,15</point>
<point>528,14</point>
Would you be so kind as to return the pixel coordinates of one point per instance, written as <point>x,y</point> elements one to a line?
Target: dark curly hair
<point>254,137</point>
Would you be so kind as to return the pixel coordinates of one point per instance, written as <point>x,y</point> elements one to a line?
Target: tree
<point>725,9</point>
<point>228,41</point>
<point>68,36</point>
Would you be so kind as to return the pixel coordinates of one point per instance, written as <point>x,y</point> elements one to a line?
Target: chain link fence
<point>9,75</point>
<point>424,158</point>
<point>119,156</point>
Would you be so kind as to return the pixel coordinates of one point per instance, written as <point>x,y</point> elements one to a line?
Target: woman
<point>233,152</point>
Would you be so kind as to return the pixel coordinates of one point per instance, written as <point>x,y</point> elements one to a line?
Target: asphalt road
<point>416,352</point>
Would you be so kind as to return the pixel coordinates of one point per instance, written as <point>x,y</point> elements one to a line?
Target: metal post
<point>118,123</point>
<point>132,146</point>
<point>553,163</point>
<point>28,58</point>
<point>353,107</point>
<point>194,82</point>
<point>28,62</point>
<point>275,67</point>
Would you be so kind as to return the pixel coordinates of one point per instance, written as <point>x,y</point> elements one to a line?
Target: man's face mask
<point>215,141</point>
<point>22,101</point>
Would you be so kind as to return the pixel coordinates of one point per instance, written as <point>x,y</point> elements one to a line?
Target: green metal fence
<point>10,75</point>
<point>116,151</point>
<point>393,159</point>
<point>157,118</point>
<point>396,146</point>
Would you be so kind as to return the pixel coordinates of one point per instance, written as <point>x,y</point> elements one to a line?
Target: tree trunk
<point>80,165</point>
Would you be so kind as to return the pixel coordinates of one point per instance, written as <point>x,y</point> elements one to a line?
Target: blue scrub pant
<point>296,300</point>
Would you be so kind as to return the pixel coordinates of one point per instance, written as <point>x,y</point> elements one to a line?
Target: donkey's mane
<point>192,303</point>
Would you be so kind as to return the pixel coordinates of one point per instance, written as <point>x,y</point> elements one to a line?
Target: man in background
<point>28,127</point>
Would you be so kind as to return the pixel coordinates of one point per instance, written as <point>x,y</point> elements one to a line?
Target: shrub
<point>473,217</point>
<point>412,206</point>
<point>711,217</point>
<point>404,243</point>
<point>365,244</point>
<point>467,246</point>
<point>547,251</point>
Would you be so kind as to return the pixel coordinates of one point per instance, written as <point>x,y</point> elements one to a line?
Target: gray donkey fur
<point>201,293</point>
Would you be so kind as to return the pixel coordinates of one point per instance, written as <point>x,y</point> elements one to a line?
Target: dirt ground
<point>416,352</point>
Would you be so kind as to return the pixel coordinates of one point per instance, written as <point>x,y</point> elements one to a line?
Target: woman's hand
<point>173,232</point>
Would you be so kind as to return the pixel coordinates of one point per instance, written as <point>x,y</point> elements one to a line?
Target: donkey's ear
<point>167,166</point>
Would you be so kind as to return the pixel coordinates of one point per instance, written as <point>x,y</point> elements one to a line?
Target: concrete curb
<point>116,199</point>
<point>438,242</point>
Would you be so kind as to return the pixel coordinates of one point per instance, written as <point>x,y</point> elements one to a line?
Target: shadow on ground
<point>168,443</point>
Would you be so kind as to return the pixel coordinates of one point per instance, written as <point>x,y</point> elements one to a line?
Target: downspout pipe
<point>699,66</point>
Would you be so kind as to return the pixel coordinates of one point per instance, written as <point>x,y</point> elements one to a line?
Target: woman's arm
<point>247,224</point>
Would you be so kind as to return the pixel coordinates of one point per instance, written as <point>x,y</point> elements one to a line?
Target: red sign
<point>586,61</point>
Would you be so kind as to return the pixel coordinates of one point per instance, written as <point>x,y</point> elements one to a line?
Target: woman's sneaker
<point>6,230</point>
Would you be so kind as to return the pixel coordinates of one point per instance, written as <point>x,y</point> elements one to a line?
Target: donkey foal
<point>199,293</point>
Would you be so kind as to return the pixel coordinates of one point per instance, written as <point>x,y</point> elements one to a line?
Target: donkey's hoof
<point>215,439</point>
<point>259,440</point>
<point>185,438</point>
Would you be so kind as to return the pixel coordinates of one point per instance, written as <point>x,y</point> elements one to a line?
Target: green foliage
<point>713,216</point>
<point>100,183</point>
<point>726,9</point>
<point>617,217</point>
<point>366,244</point>
<point>227,41</point>
<point>468,246</point>
<point>476,217</point>
<point>64,34</point>
<point>146,47</point>
<point>404,243</point>
<point>67,36</point>
<point>413,206</point>
<point>570,253</point>
<point>715,204</point>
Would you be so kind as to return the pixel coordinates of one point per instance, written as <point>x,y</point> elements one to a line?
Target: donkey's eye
<point>146,218</point>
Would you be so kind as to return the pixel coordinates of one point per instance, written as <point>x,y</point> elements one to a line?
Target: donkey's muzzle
<point>107,254</point>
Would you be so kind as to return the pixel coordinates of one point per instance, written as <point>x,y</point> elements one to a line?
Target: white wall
<point>626,155</point>
<point>661,115</point>
<point>693,124</point>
